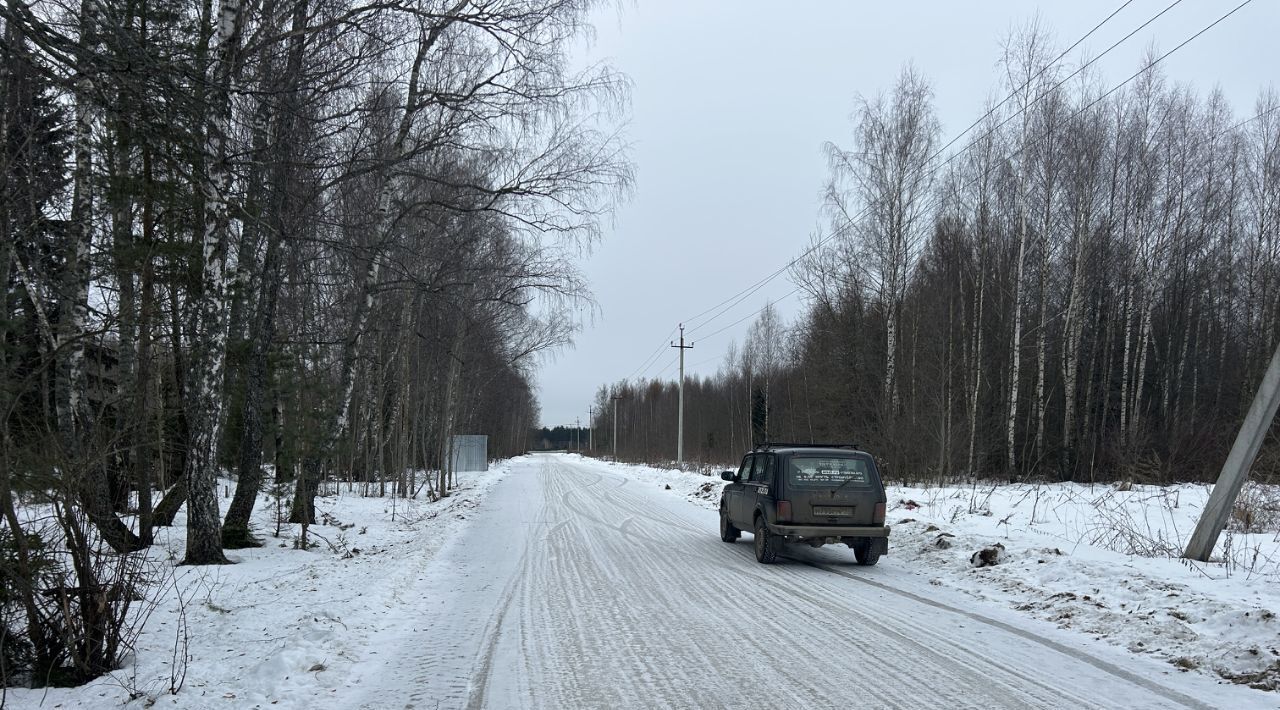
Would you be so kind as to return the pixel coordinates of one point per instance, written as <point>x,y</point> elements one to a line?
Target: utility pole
<point>615,399</point>
<point>591,432</point>
<point>577,434</point>
<point>680,416</point>
<point>1236,470</point>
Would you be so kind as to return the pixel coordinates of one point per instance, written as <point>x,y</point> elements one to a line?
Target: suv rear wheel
<point>728,532</point>
<point>863,554</point>
<point>767,543</point>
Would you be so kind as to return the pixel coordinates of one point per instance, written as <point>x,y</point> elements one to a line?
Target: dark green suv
<point>816,494</point>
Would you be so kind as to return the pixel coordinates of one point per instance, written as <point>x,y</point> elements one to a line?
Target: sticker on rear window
<point>816,472</point>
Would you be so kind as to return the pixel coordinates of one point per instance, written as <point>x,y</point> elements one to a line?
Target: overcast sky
<point>731,105</point>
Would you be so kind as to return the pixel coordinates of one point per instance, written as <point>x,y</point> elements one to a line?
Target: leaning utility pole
<point>680,416</point>
<point>615,399</point>
<point>1236,470</point>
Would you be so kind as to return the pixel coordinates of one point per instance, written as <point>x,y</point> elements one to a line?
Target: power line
<point>998,163</point>
<point>1048,92</point>
<point>1227,131</point>
<point>704,362</point>
<point>653,356</point>
<point>746,293</point>
<point>1161,58</point>
<point>762,309</point>
<point>1046,68</point>
<point>669,366</point>
<point>752,314</point>
<point>742,295</point>
<point>733,300</point>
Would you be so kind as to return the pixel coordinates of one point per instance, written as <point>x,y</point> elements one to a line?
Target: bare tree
<point>888,174</point>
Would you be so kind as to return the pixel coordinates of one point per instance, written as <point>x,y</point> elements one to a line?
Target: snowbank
<point>1105,562</point>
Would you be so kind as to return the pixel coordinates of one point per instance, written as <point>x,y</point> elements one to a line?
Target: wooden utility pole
<point>680,416</point>
<point>1253,431</point>
<point>591,431</point>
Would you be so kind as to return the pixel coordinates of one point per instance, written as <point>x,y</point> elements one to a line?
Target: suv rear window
<point>827,472</point>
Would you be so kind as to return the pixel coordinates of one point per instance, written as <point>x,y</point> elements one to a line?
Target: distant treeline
<point>562,437</point>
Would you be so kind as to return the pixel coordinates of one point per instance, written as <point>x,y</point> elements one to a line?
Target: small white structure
<point>470,453</point>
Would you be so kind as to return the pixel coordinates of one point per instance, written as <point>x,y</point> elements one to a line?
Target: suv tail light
<point>784,510</point>
<point>877,516</point>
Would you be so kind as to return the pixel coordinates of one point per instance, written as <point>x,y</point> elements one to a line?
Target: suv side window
<point>765,468</point>
<point>744,473</point>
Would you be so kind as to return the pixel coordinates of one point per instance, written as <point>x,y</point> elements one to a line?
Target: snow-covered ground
<point>281,625</point>
<point>1093,559</point>
<point>559,581</point>
<point>594,586</point>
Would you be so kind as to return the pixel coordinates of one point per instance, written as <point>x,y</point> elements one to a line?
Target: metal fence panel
<point>470,452</point>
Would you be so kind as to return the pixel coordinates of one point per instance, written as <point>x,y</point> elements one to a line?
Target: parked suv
<point>816,494</point>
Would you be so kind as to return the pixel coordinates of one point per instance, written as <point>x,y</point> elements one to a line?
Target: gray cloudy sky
<point>732,102</point>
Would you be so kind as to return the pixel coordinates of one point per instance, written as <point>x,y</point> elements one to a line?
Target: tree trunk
<point>451,387</point>
<point>143,452</point>
<point>977,363</point>
<point>126,266</point>
<point>1144,347</point>
<point>235,530</point>
<point>400,394</point>
<point>944,456</point>
<point>1015,346</point>
<point>89,475</point>
<point>1042,356</point>
<point>1072,332</point>
<point>1127,356</point>
<point>890,361</point>
<point>204,525</point>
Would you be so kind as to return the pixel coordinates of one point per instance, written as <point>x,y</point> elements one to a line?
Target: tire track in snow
<point>438,658</point>
<point>491,635</point>
<point>964,693</point>
<point>952,664</point>
<point>1172,695</point>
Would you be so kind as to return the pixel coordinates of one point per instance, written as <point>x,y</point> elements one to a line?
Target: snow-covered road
<point>577,586</point>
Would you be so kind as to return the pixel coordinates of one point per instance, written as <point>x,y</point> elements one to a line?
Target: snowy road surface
<point>579,587</point>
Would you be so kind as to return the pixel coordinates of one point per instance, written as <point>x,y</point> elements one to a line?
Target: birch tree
<point>1025,61</point>
<point>204,527</point>
<point>878,193</point>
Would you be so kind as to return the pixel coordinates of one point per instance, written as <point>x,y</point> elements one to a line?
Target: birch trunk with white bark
<point>209,348</point>
<point>1015,346</point>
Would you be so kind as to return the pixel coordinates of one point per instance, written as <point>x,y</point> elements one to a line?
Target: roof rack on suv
<point>787,445</point>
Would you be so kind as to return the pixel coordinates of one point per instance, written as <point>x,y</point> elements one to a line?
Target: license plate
<point>831,511</point>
